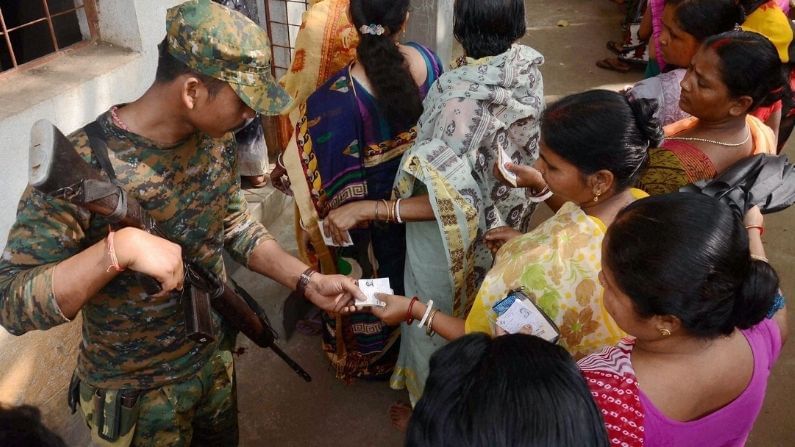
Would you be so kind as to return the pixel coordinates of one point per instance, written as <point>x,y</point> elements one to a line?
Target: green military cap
<point>219,42</point>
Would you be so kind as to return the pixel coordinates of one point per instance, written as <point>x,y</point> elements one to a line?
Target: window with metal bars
<point>284,21</point>
<point>34,30</point>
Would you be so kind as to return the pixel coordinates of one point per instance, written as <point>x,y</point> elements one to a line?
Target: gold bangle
<point>429,328</point>
<point>376,210</point>
<point>386,207</point>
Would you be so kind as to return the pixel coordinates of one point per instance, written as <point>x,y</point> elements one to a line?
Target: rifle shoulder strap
<point>99,148</point>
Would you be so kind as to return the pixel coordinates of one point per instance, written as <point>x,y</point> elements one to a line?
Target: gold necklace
<point>719,143</point>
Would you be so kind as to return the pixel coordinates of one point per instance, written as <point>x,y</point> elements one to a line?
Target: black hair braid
<point>394,89</point>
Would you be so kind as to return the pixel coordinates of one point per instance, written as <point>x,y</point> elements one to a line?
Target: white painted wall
<point>136,25</point>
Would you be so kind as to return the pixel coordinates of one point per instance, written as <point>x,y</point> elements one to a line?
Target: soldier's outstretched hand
<point>332,293</point>
<point>154,256</point>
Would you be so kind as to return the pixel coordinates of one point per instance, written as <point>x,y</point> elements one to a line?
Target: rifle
<point>56,169</point>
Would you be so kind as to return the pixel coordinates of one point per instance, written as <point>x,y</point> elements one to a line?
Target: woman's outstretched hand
<point>395,311</point>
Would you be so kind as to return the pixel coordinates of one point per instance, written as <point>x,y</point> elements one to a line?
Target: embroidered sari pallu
<point>470,114</point>
<point>336,177</point>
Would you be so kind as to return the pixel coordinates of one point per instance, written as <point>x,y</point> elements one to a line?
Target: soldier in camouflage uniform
<point>142,381</point>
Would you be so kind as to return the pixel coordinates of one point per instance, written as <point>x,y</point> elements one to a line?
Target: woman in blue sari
<point>483,111</point>
<point>350,139</point>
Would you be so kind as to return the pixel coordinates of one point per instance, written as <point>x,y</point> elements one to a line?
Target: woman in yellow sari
<point>593,145</point>
<point>731,74</point>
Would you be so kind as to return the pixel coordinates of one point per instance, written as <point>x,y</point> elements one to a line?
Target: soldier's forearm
<point>80,277</point>
<point>270,259</point>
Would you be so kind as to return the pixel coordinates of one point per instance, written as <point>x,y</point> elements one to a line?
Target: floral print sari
<point>557,264</point>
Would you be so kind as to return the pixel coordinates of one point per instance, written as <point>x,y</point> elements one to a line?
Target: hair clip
<point>375,30</point>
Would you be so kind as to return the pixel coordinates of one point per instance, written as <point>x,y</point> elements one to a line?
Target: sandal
<point>612,63</point>
<point>638,58</point>
<point>619,47</point>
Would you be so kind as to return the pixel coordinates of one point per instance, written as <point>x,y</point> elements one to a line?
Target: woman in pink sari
<point>689,281</point>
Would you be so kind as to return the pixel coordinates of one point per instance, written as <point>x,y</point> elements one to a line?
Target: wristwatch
<point>303,280</point>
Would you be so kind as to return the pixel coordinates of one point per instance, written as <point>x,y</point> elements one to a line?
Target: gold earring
<point>596,195</point>
<point>665,332</point>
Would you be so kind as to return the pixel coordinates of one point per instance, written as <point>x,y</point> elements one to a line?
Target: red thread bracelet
<point>409,316</point>
<point>758,227</point>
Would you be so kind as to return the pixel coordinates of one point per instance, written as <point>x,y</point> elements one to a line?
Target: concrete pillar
<point>431,24</point>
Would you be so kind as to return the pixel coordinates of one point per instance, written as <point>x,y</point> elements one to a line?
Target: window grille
<point>34,30</point>
<point>283,22</point>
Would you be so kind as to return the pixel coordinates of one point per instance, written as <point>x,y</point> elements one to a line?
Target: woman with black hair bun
<point>593,146</point>
<point>516,390</point>
<point>353,130</point>
<point>730,75</point>
<point>689,281</point>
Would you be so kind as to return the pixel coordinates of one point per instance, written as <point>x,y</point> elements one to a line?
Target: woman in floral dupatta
<point>592,148</point>
<point>351,134</point>
<point>731,74</point>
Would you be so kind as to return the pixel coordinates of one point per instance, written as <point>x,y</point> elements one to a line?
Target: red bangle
<point>758,227</point>
<point>409,316</point>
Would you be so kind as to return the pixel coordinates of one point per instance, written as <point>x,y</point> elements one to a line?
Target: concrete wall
<point>70,91</point>
<point>431,24</point>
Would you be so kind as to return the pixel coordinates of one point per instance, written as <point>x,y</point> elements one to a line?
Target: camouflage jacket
<point>130,339</point>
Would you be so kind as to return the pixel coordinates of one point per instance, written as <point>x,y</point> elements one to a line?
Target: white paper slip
<point>329,241</point>
<point>520,314</point>
<point>372,286</point>
<point>502,160</point>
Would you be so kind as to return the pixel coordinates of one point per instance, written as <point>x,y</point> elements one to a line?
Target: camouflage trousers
<point>200,410</point>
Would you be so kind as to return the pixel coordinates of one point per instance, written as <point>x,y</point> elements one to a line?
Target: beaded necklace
<point>719,143</point>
